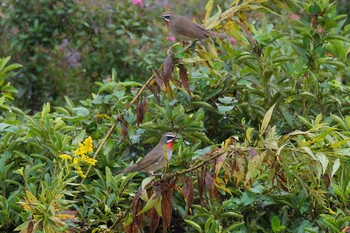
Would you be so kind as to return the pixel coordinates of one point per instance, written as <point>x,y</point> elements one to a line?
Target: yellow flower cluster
<point>81,156</point>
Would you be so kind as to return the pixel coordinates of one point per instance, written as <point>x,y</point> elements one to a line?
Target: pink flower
<point>319,30</point>
<point>232,40</point>
<point>171,38</point>
<point>294,16</point>
<point>137,2</point>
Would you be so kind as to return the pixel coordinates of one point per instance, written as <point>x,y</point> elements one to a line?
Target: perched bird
<point>155,159</point>
<point>185,29</point>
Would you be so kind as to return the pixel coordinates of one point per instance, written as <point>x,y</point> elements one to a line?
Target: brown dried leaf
<point>167,194</point>
<point>140,111</point>
<point>188,191</point>
<point>219,162</point>
<point>211,186</point>
<point>137,222</point>
<point>154,220</point>
<point>159,79</point>
<point>156,94</point>
<point>168,69</point>
<point>184,78</point>
<point>123,125</point>
<point>201,184</point>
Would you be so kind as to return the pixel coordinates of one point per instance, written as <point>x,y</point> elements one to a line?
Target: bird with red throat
<point>157,158</point>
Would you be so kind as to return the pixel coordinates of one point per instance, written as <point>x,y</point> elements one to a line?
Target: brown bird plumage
<point>185,29</point>
<point>155,159</point>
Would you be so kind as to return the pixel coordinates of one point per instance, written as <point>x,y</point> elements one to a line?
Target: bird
<point>155,159</point>
<point>185,29</point>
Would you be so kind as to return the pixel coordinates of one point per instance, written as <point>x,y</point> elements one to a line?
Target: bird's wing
<point>147,162</point>
<point>192,32</point>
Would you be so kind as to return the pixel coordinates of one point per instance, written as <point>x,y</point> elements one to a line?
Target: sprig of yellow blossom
<point>80,156</point>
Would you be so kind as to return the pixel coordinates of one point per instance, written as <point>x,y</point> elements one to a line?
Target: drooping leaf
<point>184,78</point>
<point>159,79</point>
<point>168,67</point>
<point>154,220</point>
<point>209,183</point>
<point>167,194</point>
<point>188,191</point>
<point>140,111</point>
<point>219,163</point>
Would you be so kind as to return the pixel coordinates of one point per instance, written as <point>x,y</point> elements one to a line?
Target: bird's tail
<point>128,169</point>
<point>218,35</point>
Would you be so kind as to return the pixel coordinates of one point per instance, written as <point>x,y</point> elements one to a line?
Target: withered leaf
<point>123,125</point>
<point>219,162</point>
<point>137,219</point>
<point>155,93</point>
<point>209,182</point>
<point>188,191</point>
<point>184,78</point>
<point>159,79</point>
<point>167,194</point>
<point>140,111</point>
<point>168,69</point>
<point>154,220</point>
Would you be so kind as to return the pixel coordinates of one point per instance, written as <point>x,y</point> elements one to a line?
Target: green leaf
<point>154,200</point>
<point>336,166</point>
<point>194,225</point>
<point>248,197</point>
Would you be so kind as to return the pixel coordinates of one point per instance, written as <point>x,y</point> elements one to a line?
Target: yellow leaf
<point>266,120</point>
<point>219,184</point>
<point>31,198</point>
<point>248,134</point>
<point>208,9</point>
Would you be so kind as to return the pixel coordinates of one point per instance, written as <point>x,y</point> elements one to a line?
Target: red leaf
<point>168,69</point>
<point>167,194</point>
<point>188,191</point>
<point>184,78</point>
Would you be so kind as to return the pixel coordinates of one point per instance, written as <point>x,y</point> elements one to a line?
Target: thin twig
<point>110,131</point>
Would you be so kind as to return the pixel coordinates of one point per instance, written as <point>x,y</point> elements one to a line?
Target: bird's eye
<point>167,17</point>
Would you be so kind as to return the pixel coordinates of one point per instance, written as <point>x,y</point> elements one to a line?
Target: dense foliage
<point>262,118</point>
